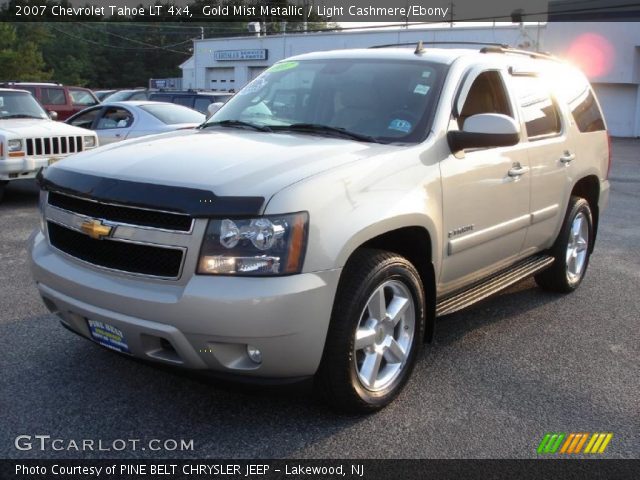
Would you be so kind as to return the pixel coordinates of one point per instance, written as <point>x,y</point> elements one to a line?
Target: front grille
<point>54,146</point>
<point>120,214</point>
<point>123,256</point>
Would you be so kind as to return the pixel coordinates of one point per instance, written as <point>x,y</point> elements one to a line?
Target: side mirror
<point>53,115</point>
<point>213,108</point>
<point>485,130</point>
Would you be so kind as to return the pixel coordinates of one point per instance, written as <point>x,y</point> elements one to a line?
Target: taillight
<point>610,156</point>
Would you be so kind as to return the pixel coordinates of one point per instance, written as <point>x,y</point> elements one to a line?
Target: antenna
<point>419,48</point>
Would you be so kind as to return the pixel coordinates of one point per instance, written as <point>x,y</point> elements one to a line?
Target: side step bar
<point>495,283</point>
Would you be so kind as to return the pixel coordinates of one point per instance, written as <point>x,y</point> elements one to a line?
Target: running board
<point>493,284</point>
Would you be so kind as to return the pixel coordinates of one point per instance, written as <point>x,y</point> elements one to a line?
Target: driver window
<point>115,118</point>
<point>486,95</point>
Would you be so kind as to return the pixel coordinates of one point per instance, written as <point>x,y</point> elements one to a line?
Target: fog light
<point>254,354</point>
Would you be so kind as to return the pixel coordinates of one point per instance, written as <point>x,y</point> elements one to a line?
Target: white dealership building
<point>609,53</point>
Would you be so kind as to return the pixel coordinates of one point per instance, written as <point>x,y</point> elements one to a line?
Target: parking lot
<point>498,377</point>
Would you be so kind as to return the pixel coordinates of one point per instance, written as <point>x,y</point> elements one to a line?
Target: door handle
<point>567,158</point>
<point>517,170</point>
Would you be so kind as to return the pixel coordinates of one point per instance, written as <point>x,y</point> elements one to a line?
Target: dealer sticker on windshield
<point>108,336</point>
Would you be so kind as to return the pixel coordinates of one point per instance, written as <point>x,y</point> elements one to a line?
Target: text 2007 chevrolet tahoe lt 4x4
<point>321,220</point>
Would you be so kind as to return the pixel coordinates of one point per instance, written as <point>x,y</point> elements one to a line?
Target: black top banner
<point>336,11</point>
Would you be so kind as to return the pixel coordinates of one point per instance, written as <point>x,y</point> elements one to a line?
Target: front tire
<point>376,331</point>
<point>571,250</point>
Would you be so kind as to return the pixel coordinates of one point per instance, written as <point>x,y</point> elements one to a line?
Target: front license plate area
<point>108,336</point>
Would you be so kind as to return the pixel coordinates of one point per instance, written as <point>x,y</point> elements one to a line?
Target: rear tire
<point>571,250</point>
<point>3,186</point>
<point>376,331</point>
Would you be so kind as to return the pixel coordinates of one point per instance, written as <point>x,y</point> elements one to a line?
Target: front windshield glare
<point>20,105</point>
<point>387,100</point>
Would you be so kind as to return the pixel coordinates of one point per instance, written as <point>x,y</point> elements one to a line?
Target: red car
<point>55,97</point>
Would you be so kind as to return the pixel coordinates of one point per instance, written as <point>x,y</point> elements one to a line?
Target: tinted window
<point>486,95</point>
<point>186,101</point>
<point>540,112</point>
<point>139,96</point>
<point>173,114</point>
<point>52,96</point>
<point>81,97</point>
<point>85,119</point>
<point>576,92</point>
<point>388,100</point>
<point>201,104</point>
<point>115,117</point>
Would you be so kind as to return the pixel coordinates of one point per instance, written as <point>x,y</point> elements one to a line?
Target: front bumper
<point>205,323</point>
<point>21,168</point>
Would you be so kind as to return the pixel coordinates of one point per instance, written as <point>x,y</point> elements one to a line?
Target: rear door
<point>485,206</point>
<point>550,152</point>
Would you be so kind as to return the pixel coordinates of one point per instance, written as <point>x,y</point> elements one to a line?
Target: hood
<point>30,127</point>
<point>226,162</point>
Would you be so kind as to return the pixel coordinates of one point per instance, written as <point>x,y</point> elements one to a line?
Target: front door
<point>485,191</point>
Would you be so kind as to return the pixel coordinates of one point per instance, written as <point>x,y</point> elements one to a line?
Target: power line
<point>93,42</point>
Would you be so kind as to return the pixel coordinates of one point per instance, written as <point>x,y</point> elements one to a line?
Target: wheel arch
<point>588,187</point>
<point>414,242</point>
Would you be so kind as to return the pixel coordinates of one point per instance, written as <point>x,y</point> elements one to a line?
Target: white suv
<point>30,140</point>
<point>323,218</point>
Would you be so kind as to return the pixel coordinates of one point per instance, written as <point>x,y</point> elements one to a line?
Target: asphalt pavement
<point>499,376</point>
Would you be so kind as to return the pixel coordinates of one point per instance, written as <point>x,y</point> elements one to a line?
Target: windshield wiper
<point>20,115</point>
<point>235,124</point>
<point>327,129</point>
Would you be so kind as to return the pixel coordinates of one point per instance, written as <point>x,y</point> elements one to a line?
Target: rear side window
<point>538,108</point>
<point>52,96</point>
<point>576,92</point>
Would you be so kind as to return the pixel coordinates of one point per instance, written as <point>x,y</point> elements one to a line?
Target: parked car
<point>115,121</point>
<point>102,94</point>
<point>30,140</point>
<point>126,95</point>
<point>193,99</point>
<point>61,101</point>
<point>320,221</point>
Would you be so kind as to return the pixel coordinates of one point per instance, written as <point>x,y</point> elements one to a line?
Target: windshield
<point>20,105</point>
<point>171,114</point>
<point>384,100</point>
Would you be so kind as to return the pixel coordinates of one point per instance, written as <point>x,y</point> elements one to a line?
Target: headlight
<point>14,146</point>
<point>89,142</point>
<point>270,245</point>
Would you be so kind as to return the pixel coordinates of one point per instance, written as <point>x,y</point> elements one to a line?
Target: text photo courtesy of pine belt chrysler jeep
<point>319,222</point>
<point>30,140</point>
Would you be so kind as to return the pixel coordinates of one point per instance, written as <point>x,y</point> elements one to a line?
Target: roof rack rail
<point>516,51</point>
<point>413,44</point>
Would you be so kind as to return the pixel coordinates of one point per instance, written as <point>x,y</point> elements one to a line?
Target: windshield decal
<point>421,89</point>
<point>255,86</point>
<point>281,67</point>
<point>400,125</point>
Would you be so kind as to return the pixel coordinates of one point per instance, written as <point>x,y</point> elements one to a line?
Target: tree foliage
<point>108,53</point>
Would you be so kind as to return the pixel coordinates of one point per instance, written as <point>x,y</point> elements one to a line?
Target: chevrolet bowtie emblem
<point>96,229</point>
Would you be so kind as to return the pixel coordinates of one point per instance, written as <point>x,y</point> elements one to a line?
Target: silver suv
<point>322,219</point>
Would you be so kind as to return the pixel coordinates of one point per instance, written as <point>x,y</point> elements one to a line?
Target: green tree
<point>20,59</point>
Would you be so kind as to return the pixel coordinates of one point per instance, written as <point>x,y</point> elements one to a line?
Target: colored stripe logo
<point>573,443</point>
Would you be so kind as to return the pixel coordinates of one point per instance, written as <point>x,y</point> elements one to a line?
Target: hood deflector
<point>192,201</point>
